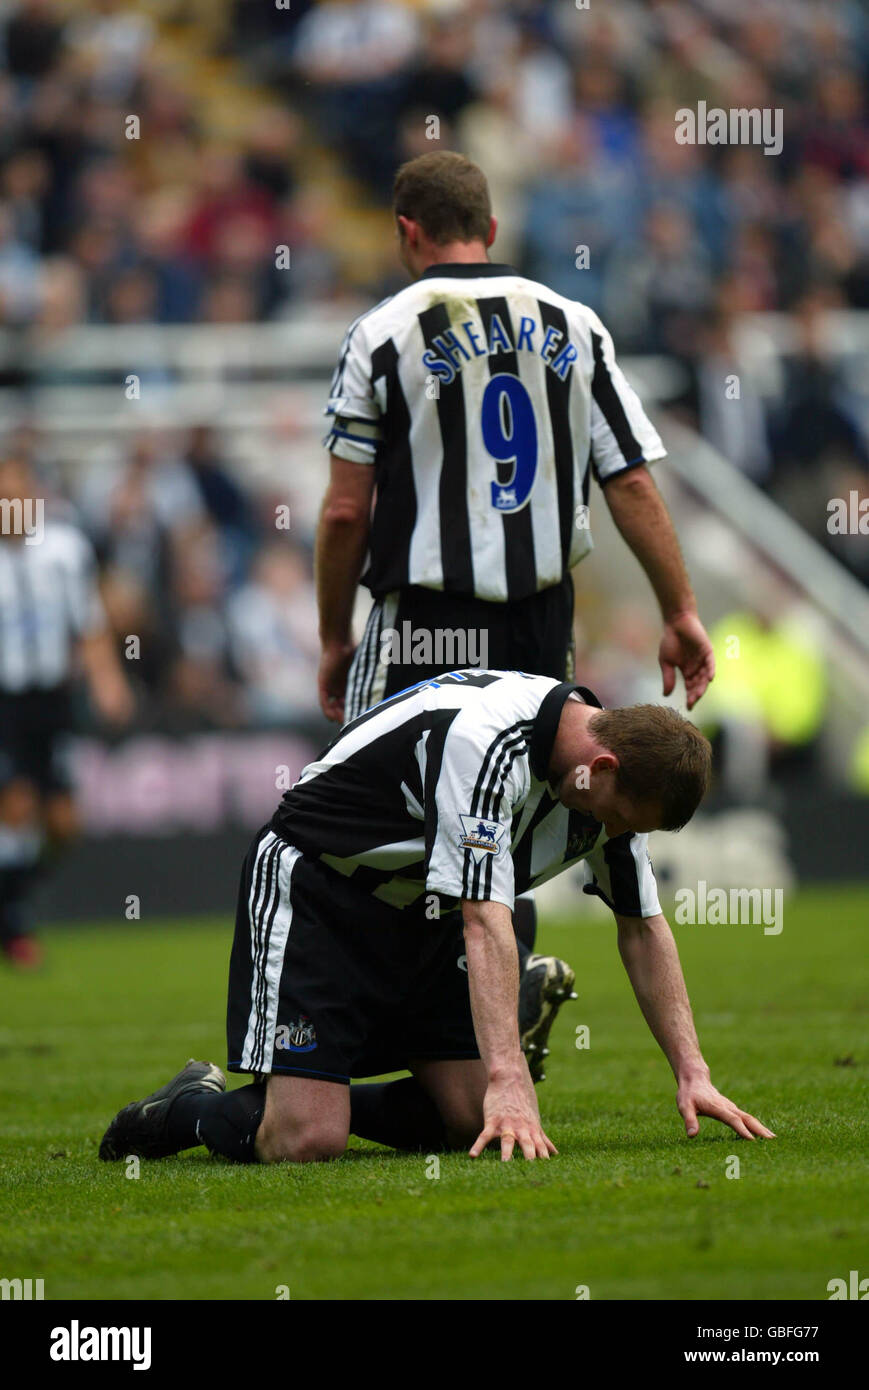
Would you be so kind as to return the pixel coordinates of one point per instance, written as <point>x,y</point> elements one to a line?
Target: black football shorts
<point>325,981</point>
<point>35,727</point>
<point>533,634</point>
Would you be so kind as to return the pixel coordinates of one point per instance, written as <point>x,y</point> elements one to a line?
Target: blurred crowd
<point>116,204</point>
<point>571,112</point>
<point>207,586</point>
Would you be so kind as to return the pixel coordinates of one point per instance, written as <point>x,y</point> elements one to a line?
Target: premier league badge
<point>481,837</point>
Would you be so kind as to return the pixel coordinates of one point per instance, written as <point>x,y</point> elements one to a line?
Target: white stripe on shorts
<point>271,916</point>
<point>366,681</point>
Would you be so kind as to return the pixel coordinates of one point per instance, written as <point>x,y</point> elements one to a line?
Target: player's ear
<point>604,762</point>
<point>407,229</point>
<point>493,229</point>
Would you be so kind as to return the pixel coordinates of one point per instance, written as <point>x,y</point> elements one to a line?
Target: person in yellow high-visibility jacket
<point>769,695</point>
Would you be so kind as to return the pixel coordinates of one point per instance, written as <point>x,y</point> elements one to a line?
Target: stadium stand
<point>260,127</point>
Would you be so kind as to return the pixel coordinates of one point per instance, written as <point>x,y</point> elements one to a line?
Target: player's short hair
<point>662,758</point>
<point>446,194</point>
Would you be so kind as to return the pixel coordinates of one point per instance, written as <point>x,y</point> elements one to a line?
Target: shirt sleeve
<point>622,435</point>
<point>620,871</point>
<point>353,409</point>
<point>469,805</point>
<point>86,610</point>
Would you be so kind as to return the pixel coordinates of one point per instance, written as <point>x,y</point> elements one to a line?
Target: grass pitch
<point>630,1208</point>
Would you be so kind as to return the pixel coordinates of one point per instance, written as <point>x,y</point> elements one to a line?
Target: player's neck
<point>574,744</point>
<point>455,253</point>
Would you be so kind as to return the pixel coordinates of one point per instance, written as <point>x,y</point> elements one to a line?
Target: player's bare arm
<point>342,540</point>
<point>108,686</point>
<point>641,516</point>
<point>650,957</point>
<point>510,1107</point>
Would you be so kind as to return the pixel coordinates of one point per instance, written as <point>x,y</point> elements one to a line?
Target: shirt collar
<point>470,270</point>
<point>546,724</point>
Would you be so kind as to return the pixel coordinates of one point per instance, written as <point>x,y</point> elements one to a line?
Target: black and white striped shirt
<point>48,600</point>
<point>443,789</point>
<point>484,400</point>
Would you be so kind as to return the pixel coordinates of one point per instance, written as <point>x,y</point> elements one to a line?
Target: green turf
<point>630,1208</point>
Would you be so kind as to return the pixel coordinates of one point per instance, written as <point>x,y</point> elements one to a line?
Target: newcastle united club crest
<point>296,1037</point>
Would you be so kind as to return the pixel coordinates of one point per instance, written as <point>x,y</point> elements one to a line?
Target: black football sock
<point>18,873</point>
<point>399,1114</point>
<point>225,1123</point>
<point>15,915</point>
<point>525,923</point>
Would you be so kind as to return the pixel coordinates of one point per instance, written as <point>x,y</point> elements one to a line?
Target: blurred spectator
<point>19,269</point>
<point>306,225</point>
<point>353,56</point>
<point>657,288</point>
<point>225,197</point>
<point>198,591</point>
<point>572,111</point>
<point>23,186</point>
<point>110,44</point>
<point>130,613</point>
<point>491,133</point>
<point>729,410</point>
<point>134,512</point>
<point>769,697</point>
<point>224,501</point>
<point>273,635</point>
<point>32,38</point>
<point>270,152</point>
<point>817,442</point>
<point>437,82</point>
<point>577,199</point>
<point>344,44</point>
<point>265,34</point>
<point>160,243</point>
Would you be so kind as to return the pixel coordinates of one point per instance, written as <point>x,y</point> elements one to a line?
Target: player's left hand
<point>700,1097</point>
<point>685,644</point>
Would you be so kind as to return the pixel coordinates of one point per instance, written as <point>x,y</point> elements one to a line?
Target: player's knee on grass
<point>281,1141</point>
<point>305,1121</point>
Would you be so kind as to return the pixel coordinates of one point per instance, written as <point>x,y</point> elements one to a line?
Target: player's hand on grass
<point>335,662</point>
<point>695,1098</point>
<point>510,1114</point>
<point>685,644</point>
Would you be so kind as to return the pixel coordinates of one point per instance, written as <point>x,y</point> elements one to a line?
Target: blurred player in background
<point>477,403</point>
<point>51,624</point>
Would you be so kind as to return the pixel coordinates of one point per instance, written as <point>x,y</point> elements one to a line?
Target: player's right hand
<point>114,700</point>
<point>510,1114</point>
<point>685,644</point>
<point>335,662</point>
